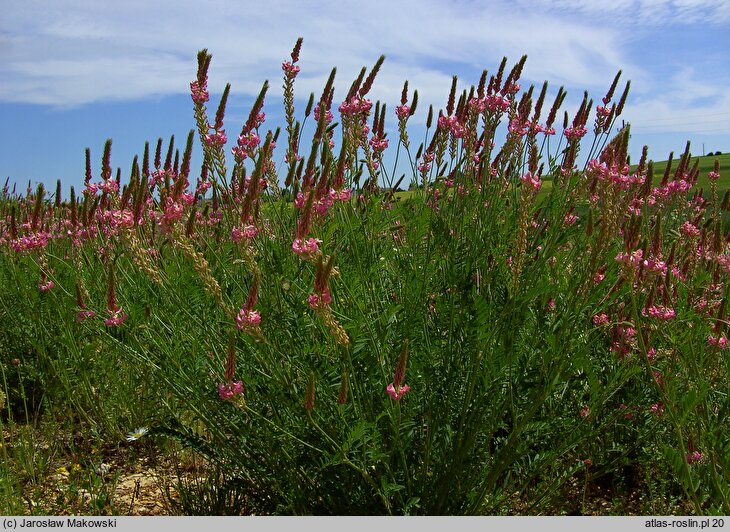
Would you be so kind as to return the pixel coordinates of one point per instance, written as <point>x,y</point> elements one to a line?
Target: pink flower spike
<point>45,287</point>
<point>397,392</point>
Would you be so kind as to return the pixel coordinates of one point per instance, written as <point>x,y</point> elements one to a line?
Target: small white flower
<point>137,433</point>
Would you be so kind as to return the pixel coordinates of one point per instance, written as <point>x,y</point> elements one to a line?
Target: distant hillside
<point>706,165</point>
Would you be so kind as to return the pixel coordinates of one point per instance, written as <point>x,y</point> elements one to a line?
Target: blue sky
<point>73,73</point>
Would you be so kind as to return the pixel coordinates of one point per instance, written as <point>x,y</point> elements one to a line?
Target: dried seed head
<point>328,88</point>
<point>203,64</point>
<point>400,368</point>
<point>106,169</point>
<point>170,152</point>
<point>356,84</point>
<point>611,89</point>
<point>371,77</point>
<point>88,165</point>
<point>158,154</point>
<point>253,116</point>
<point>219,114</point>
<point>452,97</point>
<point>414,103</point>
<point>296,50</point>
<point>146,159</point>
<point>57,196</point>
<point>40,192</point>
<point>622,101</point>
<point>482,84</point>
<point>500,72</point>
<point>540,101</point>
<point>310,104</point>
<point>554,109</point>
<point>185,169</point>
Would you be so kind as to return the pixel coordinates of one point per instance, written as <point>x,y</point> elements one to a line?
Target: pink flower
<point>305,246</point>
<point>397,392</point>
<point>660,312</point>
<point>713,176</point>
<point>290,70</point>
<point>444,122</point>
<point>689,229</point>
<point>344,195</point>
<point>318,301</point>
<point>116,317</point>
<point>91,189</point>
<point>216,139</point>
<point>518,127</point>
<point>378,144</point>
<point>45,287</point>
<point>600,319</point>
<point>230,390</point>
<point>84,314</point>
<point>247,143</point>
<point>198,93</point>
<point>585,411</point>
<point>110,186</point>
<point>694,457</point>
<point>248,318</point>
<point>603,111</point>
<point>575,133</point>
<point>328,116</point>
<point>173,211</point>
<point>531,181</point>
<point>402,111</point>
<point>717,341</point>
<point>249,231</point>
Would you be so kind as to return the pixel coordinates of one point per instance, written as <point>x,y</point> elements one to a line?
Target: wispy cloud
<point>76,52</point>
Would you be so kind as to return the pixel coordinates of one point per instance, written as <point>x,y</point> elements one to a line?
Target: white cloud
<point>75,52</point>
<point>688,106</point>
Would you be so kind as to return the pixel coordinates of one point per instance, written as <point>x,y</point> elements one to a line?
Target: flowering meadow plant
<point>512,323</point>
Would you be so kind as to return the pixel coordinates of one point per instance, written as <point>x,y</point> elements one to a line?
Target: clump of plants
<point>331,346</point>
